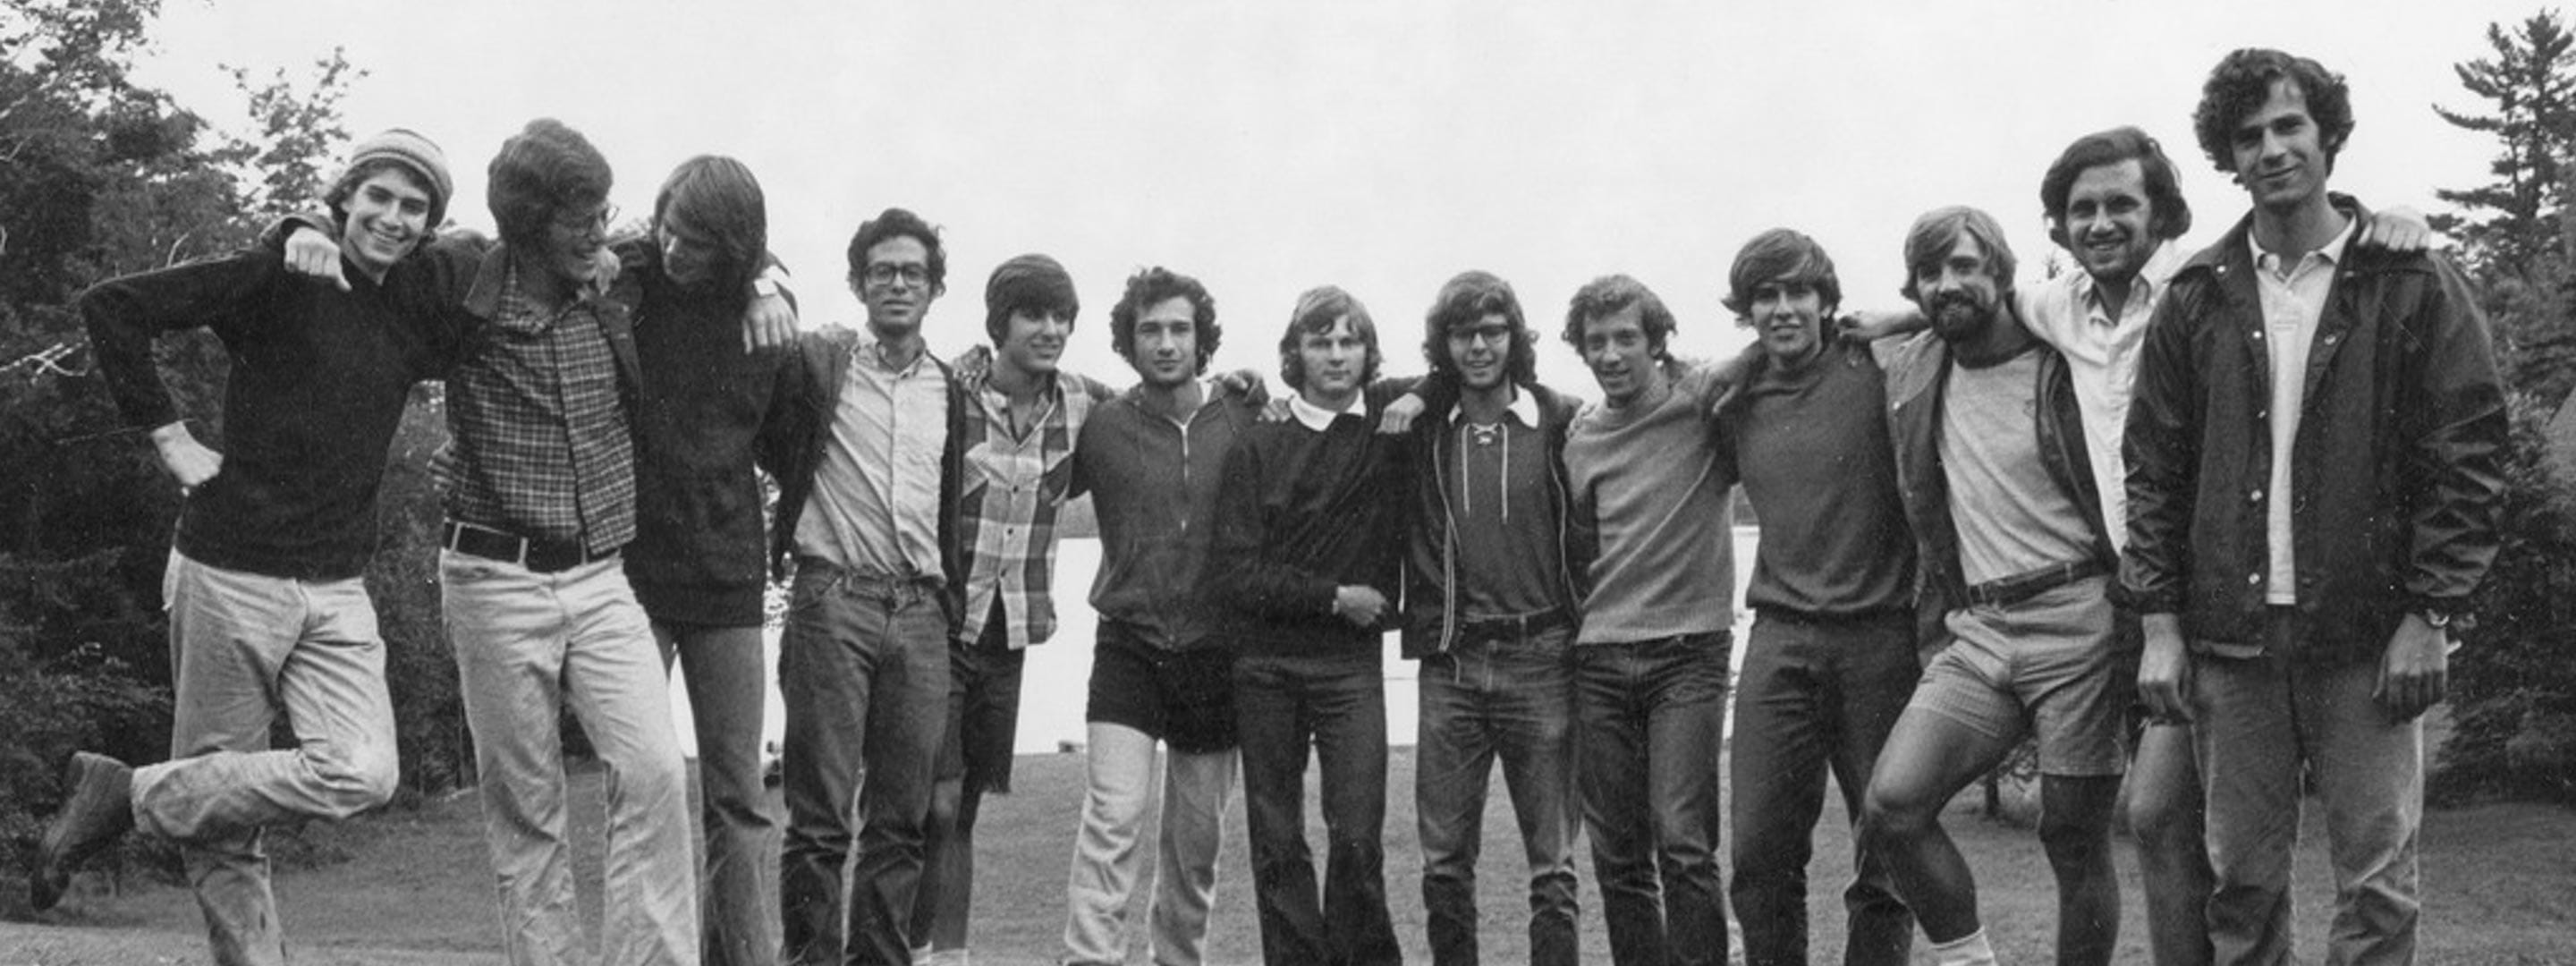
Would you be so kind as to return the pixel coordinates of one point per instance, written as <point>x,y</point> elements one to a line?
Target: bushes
<point>2513,682</point>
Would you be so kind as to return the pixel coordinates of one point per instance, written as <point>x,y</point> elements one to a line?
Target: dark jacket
<point>1918,375</point>
<point>1155,487</point>
<point>1431,530</point>
<point>1300,514</point>
<point>823,360</point>
<point>700,422</point>
<point>2397,476</point>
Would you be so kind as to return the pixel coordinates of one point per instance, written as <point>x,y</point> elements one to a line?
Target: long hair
<point>2170,215</point>
<point>718,198</point>
<point>2240,84</point>
<point>542,172</point>
<point>1152,287</point>
<point>1939,230</point>
<point>1466,300</point>
<point>1316,312</point>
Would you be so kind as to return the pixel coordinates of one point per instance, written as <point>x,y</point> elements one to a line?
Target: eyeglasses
<point>1487,334</point>
<point>885,273</point>
<point>595,222</point>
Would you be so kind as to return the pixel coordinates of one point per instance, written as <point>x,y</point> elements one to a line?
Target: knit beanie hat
<point>1023,282</point>
<point>415,153</point>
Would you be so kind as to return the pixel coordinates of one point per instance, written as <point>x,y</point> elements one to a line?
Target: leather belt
<point>2006,591</point>
<point>540,556</point>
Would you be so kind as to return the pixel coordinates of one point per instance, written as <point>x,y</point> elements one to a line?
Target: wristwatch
<point>764,287</point>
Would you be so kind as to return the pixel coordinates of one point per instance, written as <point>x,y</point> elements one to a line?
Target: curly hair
<point>718,197</point>
<point>898,223</point>
<point>1317,310</point>
<point>1781,255</point>
<point>1466,300</point>
<point>2243,80</point>
<point>1612,294</point>
<point>1152,287</point>
<point>542,172</point>
<point>1939,231</point>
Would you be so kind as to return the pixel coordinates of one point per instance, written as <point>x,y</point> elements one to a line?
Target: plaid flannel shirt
<point>540,444</point>
<point>1012,489</point>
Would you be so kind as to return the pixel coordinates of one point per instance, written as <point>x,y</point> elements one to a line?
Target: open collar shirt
<point>1013,488</point>
<point>875,506</point>
<point>540,442</point>
<point>2100,344</point>
<point>2294,293</point>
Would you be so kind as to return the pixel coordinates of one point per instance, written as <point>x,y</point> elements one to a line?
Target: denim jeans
<point>2255,720</point>
<point>527,644</point>
<point>863,669</point>
<point>1120,774</point>
<point>1510,698</point>
<point>1650,714</point>
<point>727,692</point>
<point>243,646</point>
<point>1815,696</point>
<point>1336,702</point>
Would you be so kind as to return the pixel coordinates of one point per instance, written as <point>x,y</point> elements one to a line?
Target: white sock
<point>1968,950</point>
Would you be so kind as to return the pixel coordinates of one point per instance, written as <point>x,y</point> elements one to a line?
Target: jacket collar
<point>492,274</point>
<point>2237,247</point>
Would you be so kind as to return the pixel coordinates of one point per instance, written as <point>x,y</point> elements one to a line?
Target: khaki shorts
<point>2050,665</point>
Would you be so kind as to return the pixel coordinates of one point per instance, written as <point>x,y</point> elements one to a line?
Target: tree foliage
<point>100,176</point>
<point>2513,686</point>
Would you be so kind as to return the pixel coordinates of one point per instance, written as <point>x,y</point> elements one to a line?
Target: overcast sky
<point>1269,147</point>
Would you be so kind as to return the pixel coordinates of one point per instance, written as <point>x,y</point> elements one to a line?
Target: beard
<point>1959,315</point>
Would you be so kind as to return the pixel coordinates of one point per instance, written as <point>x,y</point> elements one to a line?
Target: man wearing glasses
<point>867,503</point>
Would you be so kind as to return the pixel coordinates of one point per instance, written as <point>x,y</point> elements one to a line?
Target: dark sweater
<point>1301,513</point>
<point>1817,464</point>
<point>1155,487</point>
<point>318,383</point>
<point>705,410</point>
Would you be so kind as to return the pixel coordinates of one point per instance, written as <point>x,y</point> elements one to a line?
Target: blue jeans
<point>1510,698</point>
<point>722,668</point>
<point>528,644</point>
<point>244,646</point>
<point>1651,714</point>
<point>1336,702</point>
<point>863,669</point>
<point>1815,696</point>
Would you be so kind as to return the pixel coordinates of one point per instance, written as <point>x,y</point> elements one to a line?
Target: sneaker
<point>99,808</point>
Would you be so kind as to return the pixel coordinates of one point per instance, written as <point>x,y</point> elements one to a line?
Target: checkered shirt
<point>540,443</point>
<point>1008,502</point>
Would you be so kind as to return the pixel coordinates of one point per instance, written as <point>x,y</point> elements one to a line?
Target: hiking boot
<point>98,809</point>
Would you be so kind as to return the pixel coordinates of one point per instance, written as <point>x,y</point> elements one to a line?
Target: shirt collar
<point>2330,253</point>
<point>1523,405</point>
<point>1318,418</point>
<point>870,352</point>
<point>2143,290</point>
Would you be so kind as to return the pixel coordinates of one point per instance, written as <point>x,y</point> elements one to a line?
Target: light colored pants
<point>243,646</point>
<point>2255,720</point>
<point>1196,791</point>
<point>728,690</point>
<point>527,643</point>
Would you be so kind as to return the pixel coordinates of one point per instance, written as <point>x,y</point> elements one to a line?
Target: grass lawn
<point>2500,882</point>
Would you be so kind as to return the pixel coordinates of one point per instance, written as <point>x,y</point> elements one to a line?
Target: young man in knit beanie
<point>1022,416</point>
<point>269,611</point>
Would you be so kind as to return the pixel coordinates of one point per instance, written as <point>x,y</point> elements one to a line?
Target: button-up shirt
<point>2100,344</point>
<point>540,445</point>
<point>2294,296</point>
<point>875,506</point>
<point>1014,485</point>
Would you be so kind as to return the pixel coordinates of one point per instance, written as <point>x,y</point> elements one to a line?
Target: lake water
<point>1058,676</point>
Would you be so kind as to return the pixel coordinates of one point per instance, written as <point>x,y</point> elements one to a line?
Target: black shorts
<point>983,711</point>
<point>1185,698</point>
